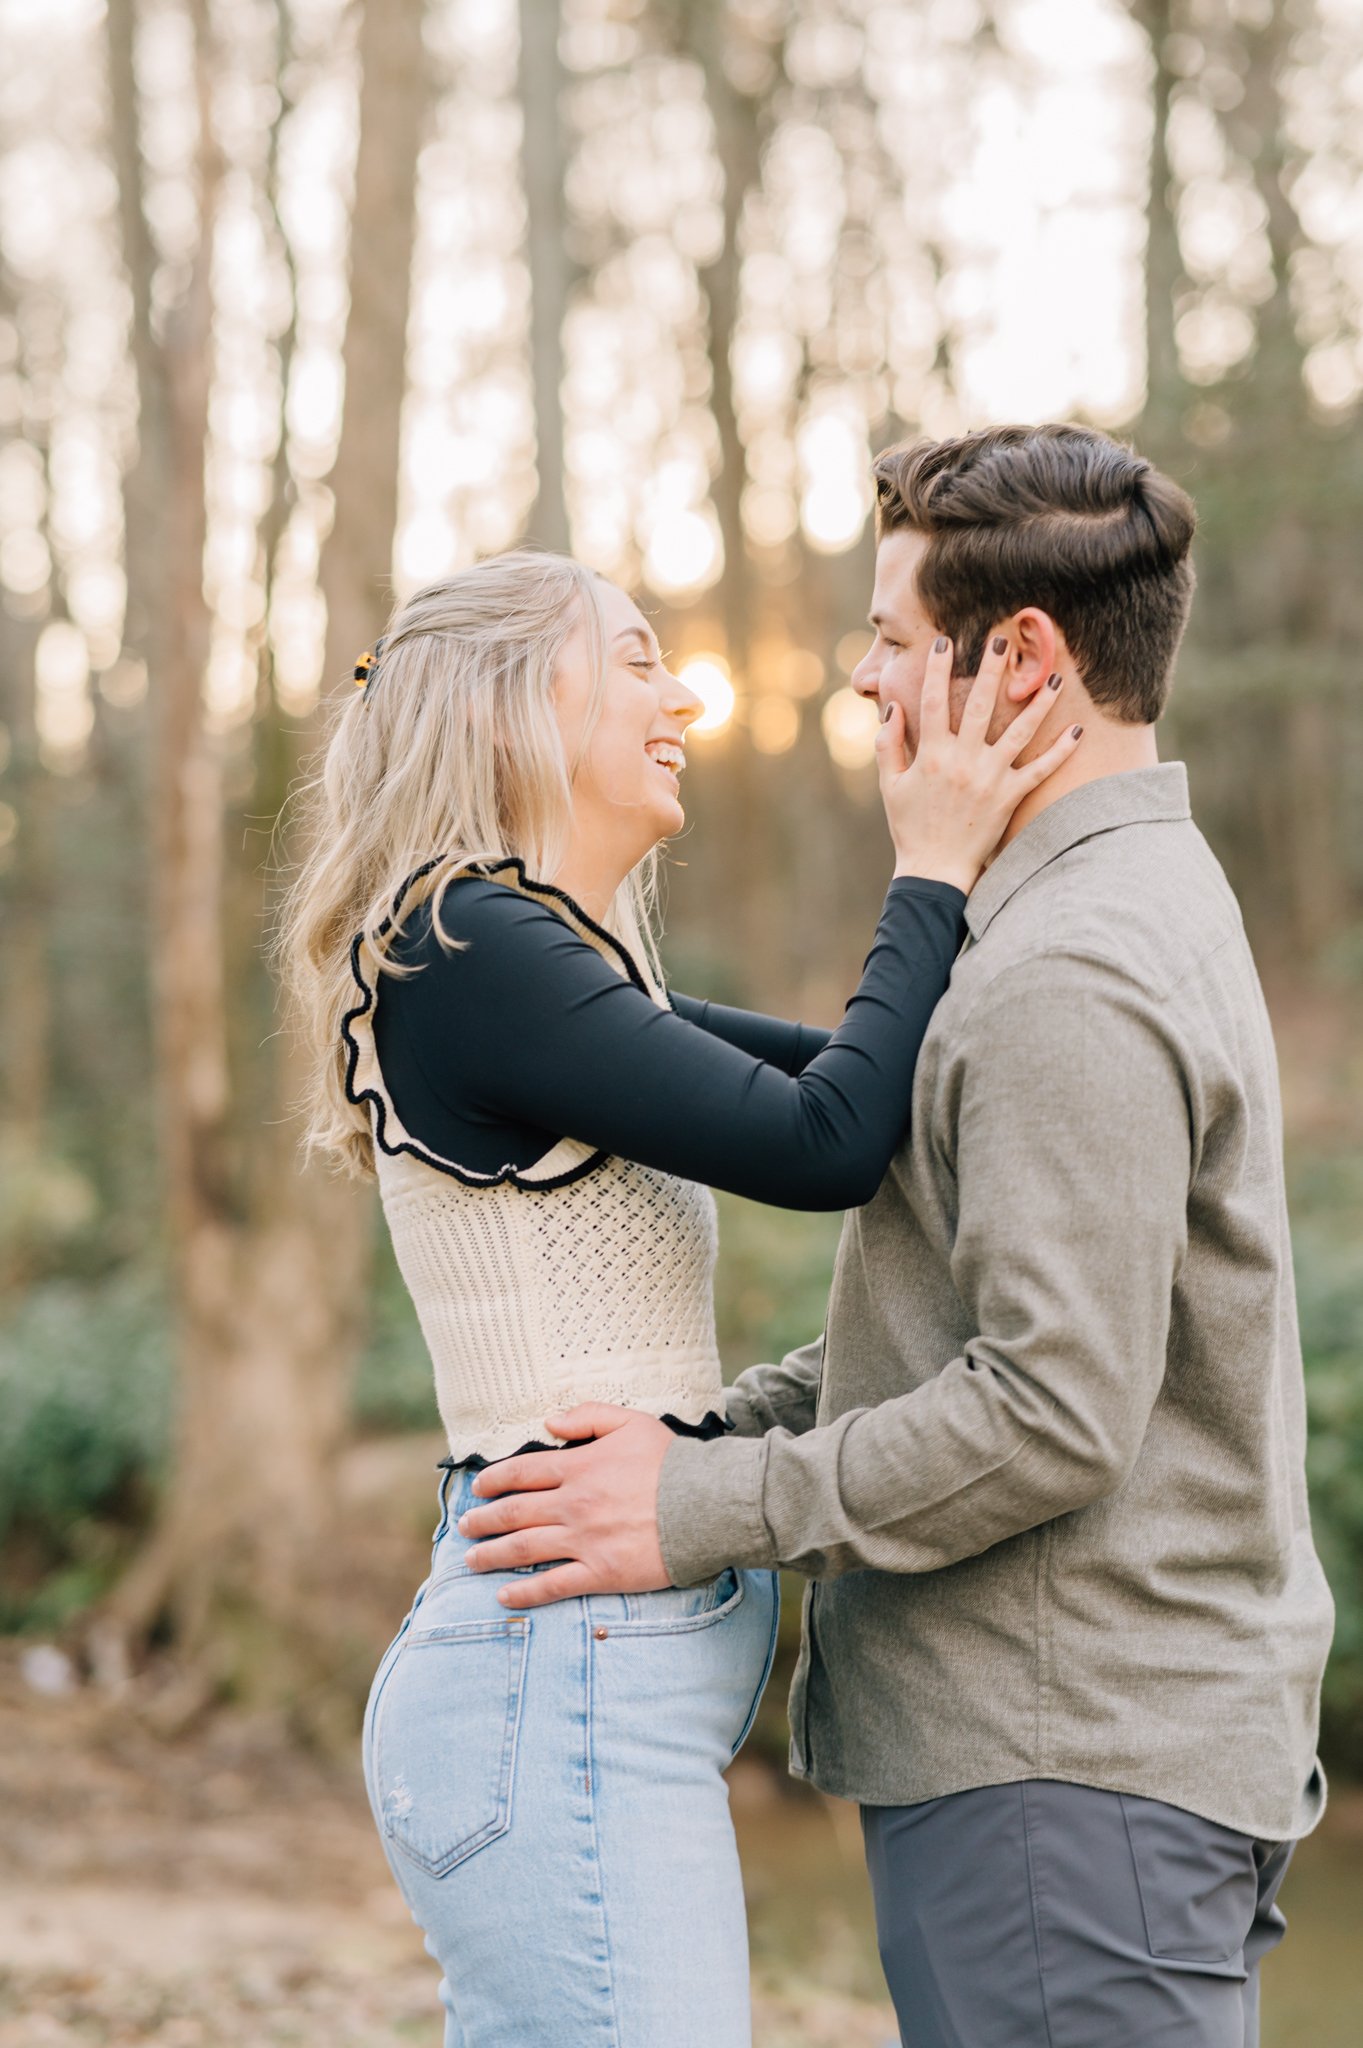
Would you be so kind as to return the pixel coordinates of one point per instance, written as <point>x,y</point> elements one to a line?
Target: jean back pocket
<point>445,1739</point>
<point>672,1610</point>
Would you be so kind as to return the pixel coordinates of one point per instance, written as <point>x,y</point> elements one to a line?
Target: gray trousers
<point>1044,1915</point>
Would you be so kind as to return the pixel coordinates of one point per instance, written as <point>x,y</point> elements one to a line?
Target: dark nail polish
<point>885,714</point>
<point>939,645</point>
<point>1053,682</point>
<point>1000,644</point>
<point>1078,732</point>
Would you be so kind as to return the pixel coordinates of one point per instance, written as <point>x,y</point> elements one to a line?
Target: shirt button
<point>601,1634</point>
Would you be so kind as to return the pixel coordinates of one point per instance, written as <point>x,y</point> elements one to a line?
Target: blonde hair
<point>452,754</point>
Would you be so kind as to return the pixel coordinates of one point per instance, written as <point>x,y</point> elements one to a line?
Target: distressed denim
<point>549,1790</point>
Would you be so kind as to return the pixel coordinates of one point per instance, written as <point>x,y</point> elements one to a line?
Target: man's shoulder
<point>1146,907</point>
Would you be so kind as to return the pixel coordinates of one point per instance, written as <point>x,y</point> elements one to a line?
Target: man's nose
<point>866,678</point>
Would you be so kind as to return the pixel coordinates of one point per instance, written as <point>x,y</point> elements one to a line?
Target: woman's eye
<point>646,666</point>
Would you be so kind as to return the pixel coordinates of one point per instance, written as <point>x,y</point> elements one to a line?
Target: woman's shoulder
<point>486,919</point>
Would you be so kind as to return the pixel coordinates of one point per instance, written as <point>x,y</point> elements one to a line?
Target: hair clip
<point>365,666</point>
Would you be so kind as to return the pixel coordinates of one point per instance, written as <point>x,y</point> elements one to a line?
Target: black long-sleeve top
<point>529,1035</point>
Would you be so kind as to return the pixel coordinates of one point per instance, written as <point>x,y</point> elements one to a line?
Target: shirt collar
<point>1138,796</point>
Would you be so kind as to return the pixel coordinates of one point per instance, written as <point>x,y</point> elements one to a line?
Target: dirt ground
<point>226,1889</point>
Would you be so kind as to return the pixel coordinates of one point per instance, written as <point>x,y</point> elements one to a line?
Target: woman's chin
<point>668,820</point>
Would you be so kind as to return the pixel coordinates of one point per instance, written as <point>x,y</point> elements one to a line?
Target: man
<point>1065,1627</point>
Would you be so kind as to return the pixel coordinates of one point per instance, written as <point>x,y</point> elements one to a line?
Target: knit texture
<point>582,1277</point>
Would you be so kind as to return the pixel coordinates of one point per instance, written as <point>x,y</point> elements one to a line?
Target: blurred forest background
<point>304,301</point>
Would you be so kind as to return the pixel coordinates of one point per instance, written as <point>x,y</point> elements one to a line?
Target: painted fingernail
<point>1000,644</point>
<point>1078,732</point>
<point>885,714</point>
<point>1053,682</point>
<point>939,645</point>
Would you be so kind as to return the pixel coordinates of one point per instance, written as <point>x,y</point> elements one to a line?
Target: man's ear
<point>1032,642</point>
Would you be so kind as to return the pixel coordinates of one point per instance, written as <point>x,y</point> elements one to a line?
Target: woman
<point>470,948</point>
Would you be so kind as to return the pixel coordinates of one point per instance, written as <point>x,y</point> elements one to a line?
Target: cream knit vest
<point>582,1277</point>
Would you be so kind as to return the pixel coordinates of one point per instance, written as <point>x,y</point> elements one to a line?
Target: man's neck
<point>1107,748</point>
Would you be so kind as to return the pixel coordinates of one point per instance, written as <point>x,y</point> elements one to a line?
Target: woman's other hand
<point>950,806</point>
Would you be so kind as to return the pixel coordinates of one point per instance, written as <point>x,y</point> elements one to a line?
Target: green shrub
<point>85,1397</point>
<point>85,1404</point>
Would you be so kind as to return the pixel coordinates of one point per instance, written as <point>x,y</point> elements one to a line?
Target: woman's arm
<point>531,1032</point>
<point>783,1044</point>
<point>529,1026</point>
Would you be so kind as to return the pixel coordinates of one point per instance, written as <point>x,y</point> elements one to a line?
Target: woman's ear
<point>1032,643</point>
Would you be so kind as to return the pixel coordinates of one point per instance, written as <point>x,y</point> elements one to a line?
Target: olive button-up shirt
<point>1045,1470</point>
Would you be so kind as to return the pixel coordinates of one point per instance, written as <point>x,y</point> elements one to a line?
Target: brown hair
<point>1060,517</point>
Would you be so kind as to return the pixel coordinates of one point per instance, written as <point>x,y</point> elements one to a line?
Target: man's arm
<point>1073,1159</point>
<point>782,1396</point>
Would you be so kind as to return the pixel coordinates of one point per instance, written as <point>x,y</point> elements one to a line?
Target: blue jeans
<point>549,1789</point>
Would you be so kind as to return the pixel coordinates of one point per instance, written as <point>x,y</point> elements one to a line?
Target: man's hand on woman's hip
<point>595,1506</point>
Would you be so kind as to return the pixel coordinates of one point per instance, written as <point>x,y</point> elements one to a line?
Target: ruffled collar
<point>569,1159</point>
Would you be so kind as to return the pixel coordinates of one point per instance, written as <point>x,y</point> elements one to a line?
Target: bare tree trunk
<point>736,117</point>
<point>145,515</point>
<point>273,758</point>
<point>1256,128</point>
<point>168,618</point>
<point>1276,572</point>
<point>312,1254</point>
<point>269,1299</point>
<point>544,155</point>
<point>737,826</point>
<point>1164,387</point>
<point>26,907</point>
<point>357,563</point>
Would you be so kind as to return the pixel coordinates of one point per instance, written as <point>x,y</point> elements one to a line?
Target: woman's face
<point>626,790</point>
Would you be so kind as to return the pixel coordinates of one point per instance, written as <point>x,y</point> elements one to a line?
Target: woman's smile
<point>669,756</point>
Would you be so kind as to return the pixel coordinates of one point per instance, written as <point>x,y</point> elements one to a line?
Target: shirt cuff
<point>710,1508</point>
<point>929,886</point>
<point>739,1413</point>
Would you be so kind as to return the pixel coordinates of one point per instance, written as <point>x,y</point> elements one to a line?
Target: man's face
<point>891,672</point>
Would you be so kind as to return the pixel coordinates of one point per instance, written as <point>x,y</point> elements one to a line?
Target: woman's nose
<point>681,700</point>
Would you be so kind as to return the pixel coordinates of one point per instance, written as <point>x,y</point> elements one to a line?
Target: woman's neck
<point>591,877</point>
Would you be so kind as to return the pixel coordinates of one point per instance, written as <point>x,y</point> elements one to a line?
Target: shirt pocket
<point>445,1739</point>
<point>1197,1880</point>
